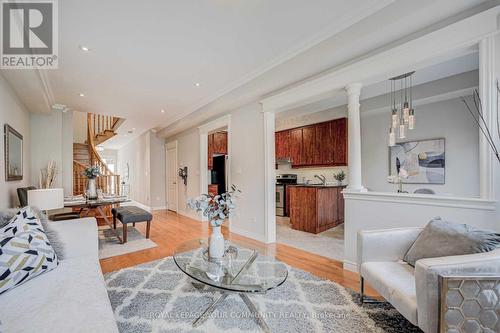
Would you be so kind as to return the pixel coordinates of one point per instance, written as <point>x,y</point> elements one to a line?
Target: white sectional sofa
<point>70,298</point>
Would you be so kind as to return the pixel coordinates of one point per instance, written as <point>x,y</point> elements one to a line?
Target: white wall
<point>146,158</point>
<point>446,119</point>
<point>137,155</point>
<point>14,113</point>
<point>52,139</point>
<point>188,154</point>
<point>79,127</point>
<point>158,175</point>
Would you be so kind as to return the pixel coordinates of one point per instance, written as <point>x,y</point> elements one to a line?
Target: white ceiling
<point>148,55</point>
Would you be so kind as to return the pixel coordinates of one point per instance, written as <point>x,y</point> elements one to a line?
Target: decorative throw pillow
<point>52,235</point>
<point>25,251</point>
<point>441,239</point>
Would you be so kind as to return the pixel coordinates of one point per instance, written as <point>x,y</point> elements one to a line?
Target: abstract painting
<point>424,161</point>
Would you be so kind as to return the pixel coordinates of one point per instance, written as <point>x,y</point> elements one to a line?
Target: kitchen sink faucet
<point>322,178</point>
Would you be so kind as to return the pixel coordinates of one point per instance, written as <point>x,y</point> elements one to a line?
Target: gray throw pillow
<point>6,215</point>
<point>441,239</point>
<point>52,235</point>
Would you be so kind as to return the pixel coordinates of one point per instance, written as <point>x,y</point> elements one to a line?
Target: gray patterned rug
<point>158,297</point>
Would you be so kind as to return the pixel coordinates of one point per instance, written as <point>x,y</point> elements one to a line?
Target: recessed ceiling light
<point>197,84</point>
<point>84,48</point>
<point>162,111</point>
<point>81,94</point>
<point>133,128</point>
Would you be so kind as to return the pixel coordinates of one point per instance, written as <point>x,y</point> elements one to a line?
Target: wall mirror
<point>13,144</point>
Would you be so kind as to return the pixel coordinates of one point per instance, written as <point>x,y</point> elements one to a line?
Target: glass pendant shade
<point>411,119</point>
<point>402,131</point>
<point>392,137</point>
<point>395,118</point>
<point>406,113</point>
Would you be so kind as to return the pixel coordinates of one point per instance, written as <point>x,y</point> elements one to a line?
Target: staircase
<point>99,129</point>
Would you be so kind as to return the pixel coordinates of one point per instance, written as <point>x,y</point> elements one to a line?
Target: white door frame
<point>224,121</point>
<point>171,146</point>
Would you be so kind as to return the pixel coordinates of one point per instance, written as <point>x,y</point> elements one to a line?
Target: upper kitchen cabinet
<point>339,133</point>
<point>322,144</point>
<point>282,145</point>
<point>296,144</point>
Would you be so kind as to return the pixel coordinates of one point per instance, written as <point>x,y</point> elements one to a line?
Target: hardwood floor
<point>169,229</point>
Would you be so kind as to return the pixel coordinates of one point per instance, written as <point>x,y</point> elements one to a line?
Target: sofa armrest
<point>79,237</point>
<point>385,245</point>
<point>427,272</point>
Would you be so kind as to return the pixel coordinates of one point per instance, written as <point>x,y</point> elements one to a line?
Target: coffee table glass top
<point>242,269</point>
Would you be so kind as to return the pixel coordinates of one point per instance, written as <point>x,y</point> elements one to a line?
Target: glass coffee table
<point>242,271</point>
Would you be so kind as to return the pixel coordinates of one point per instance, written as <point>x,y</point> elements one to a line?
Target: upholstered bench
<point>131,214</point>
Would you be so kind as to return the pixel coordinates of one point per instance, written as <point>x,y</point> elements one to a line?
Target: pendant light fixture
<point>402,112</point>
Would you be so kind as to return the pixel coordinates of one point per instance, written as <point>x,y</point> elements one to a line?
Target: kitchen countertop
<point>317,185</point>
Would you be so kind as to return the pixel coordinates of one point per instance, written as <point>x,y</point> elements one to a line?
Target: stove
<point>281,182</point>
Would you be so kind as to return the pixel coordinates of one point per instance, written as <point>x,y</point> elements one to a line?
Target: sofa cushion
<point>25,251</point>
<point>443,239</point>
<point>395,281</point>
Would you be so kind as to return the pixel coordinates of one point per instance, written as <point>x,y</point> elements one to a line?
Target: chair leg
<point>124,233</point>
<point>133,224</point>
<point>114,221</point>
<point>361,290</point>
<point>148,227</point>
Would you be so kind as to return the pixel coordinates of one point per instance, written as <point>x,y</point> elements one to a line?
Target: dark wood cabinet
<point>316,209</point>
<point>217,144</point>
<point>213,189</point>
<point>296,145</point>
<point>308,145</point>
<point>323,144</point>
<point>339,133</point>
<point>282,145</point>
<point>287,200</point>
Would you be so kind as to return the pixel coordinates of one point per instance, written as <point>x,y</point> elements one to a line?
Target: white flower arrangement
<point>216,208</point>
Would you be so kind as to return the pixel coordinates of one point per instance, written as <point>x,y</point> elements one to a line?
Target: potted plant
<point>92,173</point>
<point>340,176</point>
<point>216,208</point>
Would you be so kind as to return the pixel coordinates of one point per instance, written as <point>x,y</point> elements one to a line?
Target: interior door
<point>172,179</point>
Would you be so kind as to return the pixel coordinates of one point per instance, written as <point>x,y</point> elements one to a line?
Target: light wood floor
<point>169,229</point>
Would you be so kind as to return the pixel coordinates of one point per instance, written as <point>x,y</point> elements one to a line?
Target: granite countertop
<point>317,185</point>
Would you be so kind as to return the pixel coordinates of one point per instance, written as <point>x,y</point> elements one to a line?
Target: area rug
<point>158,297</point>
<point>110,246</point>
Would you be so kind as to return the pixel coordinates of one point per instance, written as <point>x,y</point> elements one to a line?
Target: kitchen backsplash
<point>309,173</point>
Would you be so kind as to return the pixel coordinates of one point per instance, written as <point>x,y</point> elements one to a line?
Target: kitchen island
<point>316,208</point>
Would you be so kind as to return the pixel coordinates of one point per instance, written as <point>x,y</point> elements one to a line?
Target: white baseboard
<point>350,266</point>
<point>191,215</point>
<point>138,204</point>
<point>159,208</point>
<point>246,233</point>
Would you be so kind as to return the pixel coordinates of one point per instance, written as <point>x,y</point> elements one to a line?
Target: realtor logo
<point>29,34</point>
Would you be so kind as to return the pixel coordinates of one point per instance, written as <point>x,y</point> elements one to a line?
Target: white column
<point>487,93</point>
<point>269,177</point>
<point>354,137</point>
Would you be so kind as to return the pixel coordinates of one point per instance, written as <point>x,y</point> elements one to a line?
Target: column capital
<point>353,89</point>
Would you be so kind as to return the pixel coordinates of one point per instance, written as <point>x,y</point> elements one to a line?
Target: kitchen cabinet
<point>213,189</point>
<point>308,145</point>
<point>287,200</point>
<point>322,144</point>
<point>282,145</point>
<point>339,133</point>
<point>217,144</point>
<point>296,146</point>
<point>316,209</point>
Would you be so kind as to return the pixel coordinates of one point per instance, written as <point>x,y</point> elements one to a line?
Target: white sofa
<point>70,298</point>
<point>414,292</point>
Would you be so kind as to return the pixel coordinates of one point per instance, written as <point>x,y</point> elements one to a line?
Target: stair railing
<point>108,182</point>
